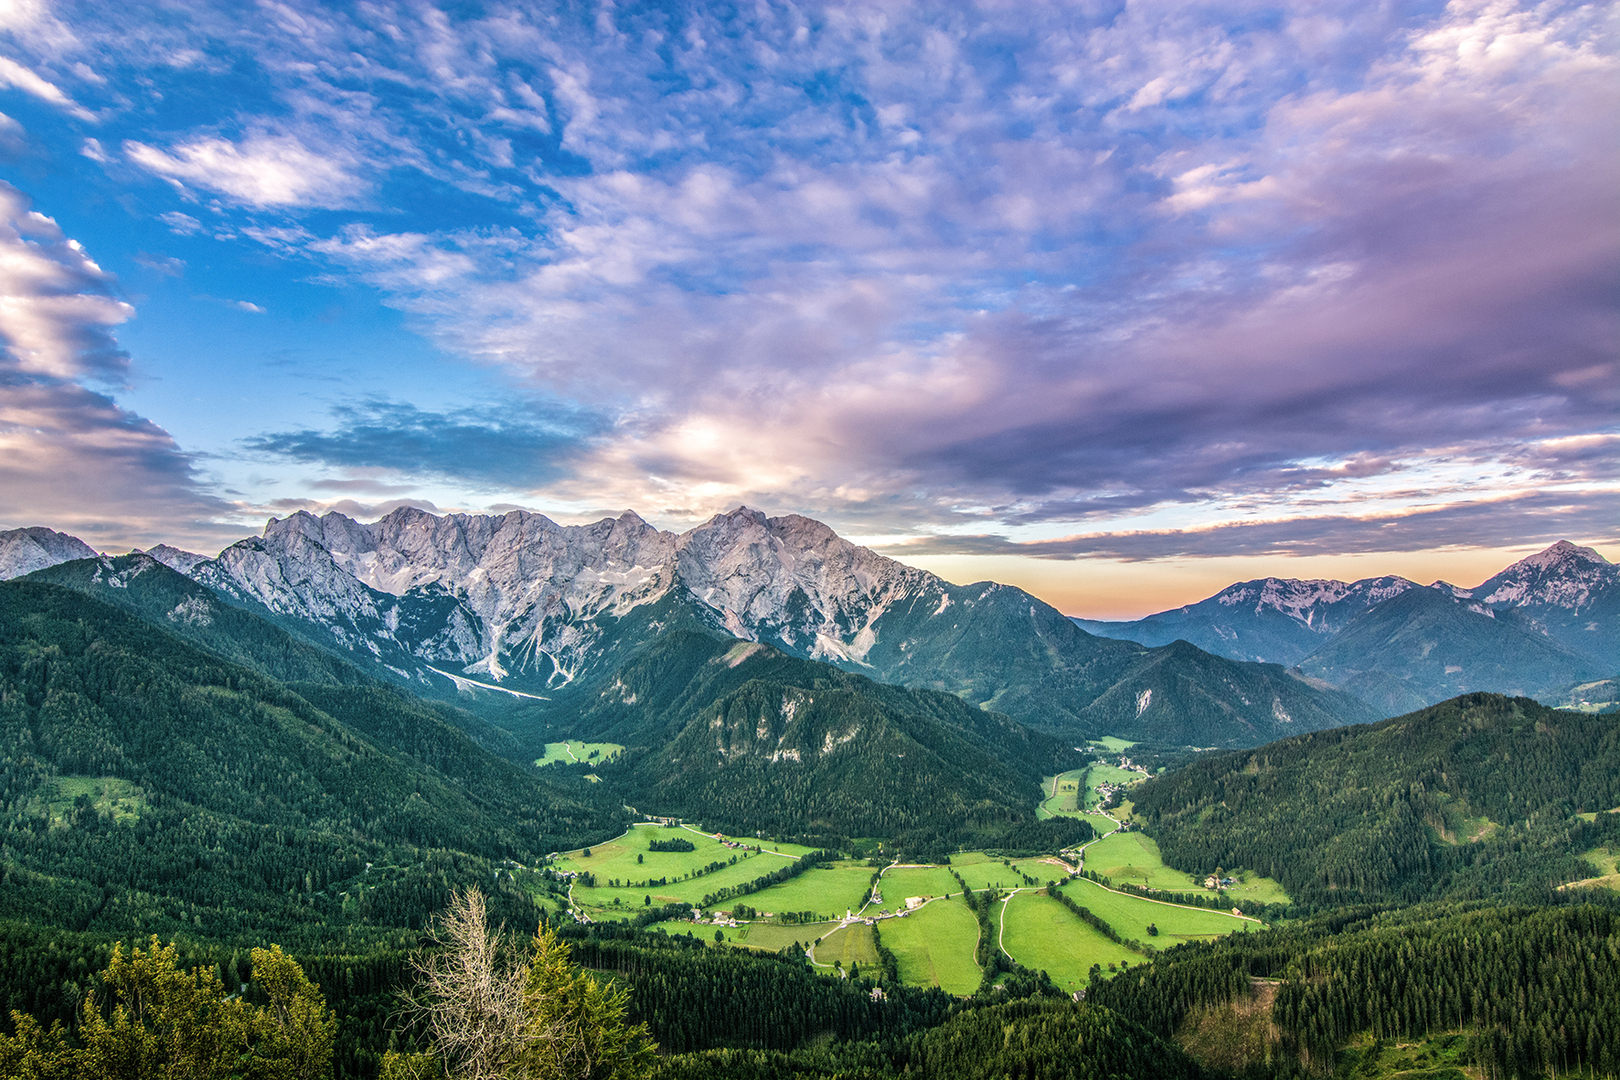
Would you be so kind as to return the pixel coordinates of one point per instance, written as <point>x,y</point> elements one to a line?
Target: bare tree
<point>469,994</point>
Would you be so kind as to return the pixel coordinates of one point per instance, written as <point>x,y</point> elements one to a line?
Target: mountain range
<point>521,610</point>
<point>1544,627</point>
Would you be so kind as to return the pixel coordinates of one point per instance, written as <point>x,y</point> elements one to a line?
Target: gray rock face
<point>179,561</point>
<point>520,601</point>
<point>22,551</point>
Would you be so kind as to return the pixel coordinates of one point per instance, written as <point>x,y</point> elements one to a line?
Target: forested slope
<point>1534,990</point>
<point>747,738</point>
<point>1473,797</point>
<point>149,786</point>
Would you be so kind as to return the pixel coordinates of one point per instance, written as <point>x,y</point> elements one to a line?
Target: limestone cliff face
<point>22,551</point>
<point>519,597</point>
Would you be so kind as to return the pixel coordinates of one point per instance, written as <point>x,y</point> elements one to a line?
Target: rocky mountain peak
<point>22,551</point>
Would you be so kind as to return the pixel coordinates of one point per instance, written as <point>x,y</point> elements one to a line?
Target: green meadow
<point>574,752</point>
<point>826,889</point>
<point>854,944</point>
<point>982,871</point>
<point>1112,743</point>
<point>1133,858</point>
<point>934,946</point>
<point>121,800</point>
<point>904,881</point>
<point>773,937</point>
<point>1063,794</point>
<point>685,879</point>
<point>1131,915</point>
<point>1043,935</point>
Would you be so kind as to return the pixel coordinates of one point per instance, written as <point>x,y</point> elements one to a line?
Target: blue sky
<point>1117,301</point>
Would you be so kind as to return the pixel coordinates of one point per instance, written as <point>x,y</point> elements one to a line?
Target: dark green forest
<point>1475,797</point>
<point>153,781</point>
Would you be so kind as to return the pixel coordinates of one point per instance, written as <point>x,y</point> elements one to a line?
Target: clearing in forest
<point>1604,860</point>
<point>1043,935</point>
<point>574,752</point>
<point>934,946</point>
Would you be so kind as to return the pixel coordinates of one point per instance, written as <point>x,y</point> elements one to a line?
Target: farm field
<point>825,892</point>
<point>1063,794</point>
<point>616,860</point>
<point>1043,935</point>
<point>853,944</point>
<point>574,752</point>
<point>1130,916</point>
<point>1112,743</point>
<point>904,881</point>
<point>934,946</point>
<point>1133,858</point>
<point>772,937</point>
<point>982,872</point>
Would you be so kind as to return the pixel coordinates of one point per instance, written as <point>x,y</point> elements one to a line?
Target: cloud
<point>537,445</point>
<point>261,171</point>
<point>29,82</point>
<point>1140,269</point>
<point>1533,518</point>
<point>57,308</point>
<point>180,224</point>
<point>70,457</point>
<point>167,265</point>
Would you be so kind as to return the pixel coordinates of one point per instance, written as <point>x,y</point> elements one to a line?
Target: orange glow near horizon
<point>1117,590</point>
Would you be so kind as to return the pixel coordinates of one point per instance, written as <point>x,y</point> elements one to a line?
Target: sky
<point>1119,302</point>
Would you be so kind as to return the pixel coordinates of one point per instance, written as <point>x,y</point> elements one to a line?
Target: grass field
<point>983,872</point>
<point>823,891</point>
<point>575,752</point>
<point>853,944</point>
<point>616,860</point>
<point>934,946</point>
<point>774,938</point>
<point>907,881</point>
<point>1112,743</point>
<point>1130,916</point>
<point>1062,794</point>
<point>1043,935</point>
<point>1133,858</point>
<point>1602,859</point>
<point>121,799</point>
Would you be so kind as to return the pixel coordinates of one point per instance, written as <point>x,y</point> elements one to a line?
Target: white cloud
<point>262,171</point>
<point>29,82</point>
<point>56,306</point>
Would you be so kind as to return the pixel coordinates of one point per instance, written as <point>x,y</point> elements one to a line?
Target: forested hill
<point>149,786</point>
<point>748,738</point>
<point>144,587</point>
<point>1476,796</point>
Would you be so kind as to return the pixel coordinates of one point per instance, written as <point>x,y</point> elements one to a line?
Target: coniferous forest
<point>170,815</point>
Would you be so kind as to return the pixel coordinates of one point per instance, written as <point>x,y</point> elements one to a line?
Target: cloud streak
<point>1162,270</point>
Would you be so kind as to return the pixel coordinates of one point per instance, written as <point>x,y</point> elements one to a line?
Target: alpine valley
<point>820,813</point>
